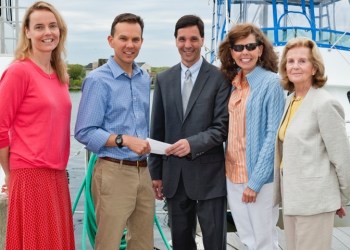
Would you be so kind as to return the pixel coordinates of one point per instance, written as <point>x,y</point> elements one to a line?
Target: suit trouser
<point>123,197</point>
<point>313,232</point>
<point>255,222</point>
<point>182,217</point>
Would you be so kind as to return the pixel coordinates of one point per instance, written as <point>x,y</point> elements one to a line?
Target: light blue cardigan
<point>263,113</point>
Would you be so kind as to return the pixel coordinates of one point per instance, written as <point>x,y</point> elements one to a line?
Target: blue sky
<point>89,25</point>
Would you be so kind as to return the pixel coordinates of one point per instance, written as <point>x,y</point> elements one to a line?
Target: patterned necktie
<point>186,89</point>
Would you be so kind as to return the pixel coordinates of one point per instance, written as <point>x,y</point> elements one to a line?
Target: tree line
<point>77,73</point>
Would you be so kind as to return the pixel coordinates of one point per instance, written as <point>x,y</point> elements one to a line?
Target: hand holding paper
<point>158,147</point>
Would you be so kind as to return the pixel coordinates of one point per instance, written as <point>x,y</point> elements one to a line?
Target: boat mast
<point>282,20</point>
<point>9,26</point>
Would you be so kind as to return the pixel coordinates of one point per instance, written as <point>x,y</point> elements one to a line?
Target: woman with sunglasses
<point>255,108</point>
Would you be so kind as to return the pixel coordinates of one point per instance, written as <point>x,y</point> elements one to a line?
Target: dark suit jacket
<point>204,126</point>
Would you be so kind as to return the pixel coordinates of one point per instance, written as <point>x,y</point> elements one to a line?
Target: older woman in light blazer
<point>312,156</point>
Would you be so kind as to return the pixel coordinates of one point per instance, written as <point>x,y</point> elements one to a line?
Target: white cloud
<point>89,25</point>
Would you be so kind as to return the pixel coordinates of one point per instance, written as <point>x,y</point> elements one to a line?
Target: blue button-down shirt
<point>113,103</point>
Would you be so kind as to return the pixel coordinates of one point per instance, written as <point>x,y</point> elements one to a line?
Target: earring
<point>259,60</point>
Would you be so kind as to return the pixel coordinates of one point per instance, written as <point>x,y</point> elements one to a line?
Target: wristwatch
<point>119,141</point>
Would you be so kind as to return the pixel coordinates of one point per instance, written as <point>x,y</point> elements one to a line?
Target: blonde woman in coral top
<point>35,135</point>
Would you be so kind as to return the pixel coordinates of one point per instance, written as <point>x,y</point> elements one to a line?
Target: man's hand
<point>180,148</point>
<point>137,145</point>
<point>158,189</point>
<point>249,195</point>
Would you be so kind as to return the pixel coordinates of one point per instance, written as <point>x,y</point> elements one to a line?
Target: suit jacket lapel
<point>307,102</point>
<point>177,90</point>
<point>198,87</point>
<point>286,106</point>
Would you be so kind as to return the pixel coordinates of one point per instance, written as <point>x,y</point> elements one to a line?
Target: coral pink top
<point>35,113</point>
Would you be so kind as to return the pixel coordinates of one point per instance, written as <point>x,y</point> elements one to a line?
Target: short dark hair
<point>187,21</point>
<point>128,18</point>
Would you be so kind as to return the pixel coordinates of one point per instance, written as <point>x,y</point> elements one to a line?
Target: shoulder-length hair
<point>24,47</point>
<point>319,79</point>
<point>268,59</point>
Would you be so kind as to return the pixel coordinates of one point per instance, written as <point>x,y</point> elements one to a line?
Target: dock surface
<point>341,240</point>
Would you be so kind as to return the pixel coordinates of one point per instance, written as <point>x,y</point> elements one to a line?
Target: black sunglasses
<point>240,47</point>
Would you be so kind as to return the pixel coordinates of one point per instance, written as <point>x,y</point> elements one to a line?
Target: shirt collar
<point>117,70</point>
<point>194,68</point>
<point>237,81</point>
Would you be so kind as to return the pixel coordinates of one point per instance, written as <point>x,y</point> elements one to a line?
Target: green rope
<point>89,223</point>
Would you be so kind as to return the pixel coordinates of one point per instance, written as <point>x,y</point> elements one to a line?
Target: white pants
<point>255,222</point>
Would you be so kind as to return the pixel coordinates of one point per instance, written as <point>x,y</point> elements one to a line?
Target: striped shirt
<point>236,169</point>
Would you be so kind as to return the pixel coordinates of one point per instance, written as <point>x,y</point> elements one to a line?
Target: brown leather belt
<point>142,163</point>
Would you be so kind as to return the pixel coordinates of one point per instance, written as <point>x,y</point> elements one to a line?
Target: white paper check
<point>158,147</point>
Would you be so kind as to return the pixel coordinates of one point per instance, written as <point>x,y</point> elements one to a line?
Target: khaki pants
<point>312,232</point>
<point>123,197</point>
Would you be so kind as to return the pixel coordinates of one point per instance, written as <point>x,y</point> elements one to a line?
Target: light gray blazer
<point>316,157</point>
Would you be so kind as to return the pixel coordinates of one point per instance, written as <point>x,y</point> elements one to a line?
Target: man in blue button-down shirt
<point>113,122</point>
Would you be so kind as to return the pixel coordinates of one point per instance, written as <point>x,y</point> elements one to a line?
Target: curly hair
<point>24,46</point>
<point>268,59</point>
<point>319,79</point>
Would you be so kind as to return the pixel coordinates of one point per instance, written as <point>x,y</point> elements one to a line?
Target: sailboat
<point>327,22</point>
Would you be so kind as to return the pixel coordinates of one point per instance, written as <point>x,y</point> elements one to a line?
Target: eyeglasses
<point>240,47</point>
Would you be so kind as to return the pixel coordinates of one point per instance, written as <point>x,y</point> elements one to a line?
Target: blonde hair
<point>319,79</point>
<point>24,46</point>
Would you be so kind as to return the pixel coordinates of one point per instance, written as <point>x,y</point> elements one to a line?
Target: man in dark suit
<point>191,176</point>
